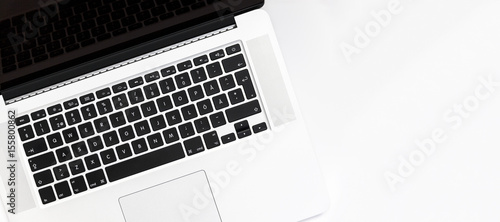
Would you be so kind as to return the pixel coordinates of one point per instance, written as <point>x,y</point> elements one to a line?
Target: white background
<point>366,114</point>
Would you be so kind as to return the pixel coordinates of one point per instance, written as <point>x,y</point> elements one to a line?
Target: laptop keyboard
<point>141,123</point>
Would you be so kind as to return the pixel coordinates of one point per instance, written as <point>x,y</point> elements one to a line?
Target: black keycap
<point>211,139</point>
<point>171,135</point>
<point>117,119</point>
<point>95,143</point>
<point>214,69</point>
<point>35,147</point>
<point>43,161</point>
<point>43,178</point>
<point>54,140</point>
<point>200,60</point>
<point>78,184</point>
<point>227,82</point>
<point>26,133</point>
<point>152,76</point>
<point>211,87</point>
<point>158,123</point>
<point>135,96</point>
<point>234,63</point>
<point>79,149</point>
<point>70,135</point>
<point>139,146</point>
<point>167,85</point>
<point>202,125</point>
<point>168,71</point>
<point>123,151</point>
<point>102,124</point>
<point>189,112</point>
<point>76,167</point>
<point>108,156</point>
<point>120,101</point>
<point>194,146</point>
<point>142,128</point>
<point>186,130</point>
<point>57,122</point>
<point>133,114</point>
<point>198,75</point>
<point>195,93</point>
<point>135,82</point>
<point>148,109</point>
<point>244,133</point>
<point>155,141</point>
<point>87,98</point>
<point>73,117</point>
<point>22,120</point>
<point>228,138</point>
<point>173,117</point>
<point>220,101</point>
<point>110,138</point>
<point>217,54</point>
<point>103,93</point>
<point>61,172</point>
<point>217,119</point>
<point>204,107</point>
<point>259,127</point>
<point>145,162</point>
<point>233,49</point>
<point>70,104</point>
<point>63,154</point>
<point>62,190</point>
<point>47,195</point>
<point>92,162</point>
<point>41,128</point>
<point>96,179</point>
<point>164,103</point>
<point>38,114</point>
<point>243,79</point>
<point>119,87</point>
<point>236,96</point>
<point>243,111</point>
<point>182,80</point>
<point>104,107</point>
<point>86,130</point>
<point>151,91</point>
<point>184,65</point>
<point>126,133</point>
<point>89,112</point>
<point>54,109</point>
<point>240,126</point>
<point>180,98</point>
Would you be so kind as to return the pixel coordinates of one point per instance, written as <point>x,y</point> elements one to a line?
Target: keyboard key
<point>139,146</point>
<point>73,117</point>
<point>63,154</point>
<point>157,123</point>
<point>195,93</point>
<point>211,88</point>
<point>76,167</point>
<point>78,184</point>
<point>200,60</point>
<point>244,133</point>
<point>227,82</point>
<point>62,190</point>
<point>47,195</point>
<point>184,65</point>
<point>57,122</point>
<point>180,98</point>
<point>171,135</point>
<point>35,147</point>
<point>120,101</point>
<point>168,71</point>
<point>54,109</point>
<point>202,125</point>
<point>70,104</point>
<point>243,79</point>
<point>243,111</point>
<point>126,133</point>
<point>220,101</point>
<point>234,63</point>
<point>236,96</point>
<point>133,114</point>
<point>259,127</point>
<point>117,119</point>
<point>233,49</point>
<point>96,178</point>
<point>119,87</point>
<point>164,103</point>
<point>108,156</point>
<point>186,130</point>
<point>103,93</point>
<point>151,91</point>
<point>152,76</point>
<point>217,119</point>
<point>54,140</point>
<point>211,139</point>
<point>41,128</point>
<point>217,54</point>
<point>110,138</point>
<point>86,130</point>
<point>204,107</point>
<point>135,82</point>
<point>145,162</point>
<point>22,120</point>
<point>214,70</point>
<point>102,124</point>
<point>43,178</point>
<point>92,162</point>
<point>87,98</point>
<point>79,149</point>
<point>89,112</point>
<point>167,85</point>
<point>38,115</point>
<point>135,96</point>
<point>198,75</point>
<point>173,117</point>
<point>182,80</point>
<point>189,112</point>
<point>228,138</point>
<point>148,109</point>
<point>155,141</point>
<point>43,161</point>
<point>123,151</point>
<point>142,128</point>
<point>104,106</point>
<point>95,144</point>
<point>194,146</point>
<point>61,172</point>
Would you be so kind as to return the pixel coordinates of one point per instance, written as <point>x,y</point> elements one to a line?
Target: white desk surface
<point>402,85</point>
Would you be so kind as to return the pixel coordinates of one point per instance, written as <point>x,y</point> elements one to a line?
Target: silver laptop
<point>158,110</point>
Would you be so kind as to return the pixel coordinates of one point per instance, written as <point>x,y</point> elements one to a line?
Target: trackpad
<point>188,198</point>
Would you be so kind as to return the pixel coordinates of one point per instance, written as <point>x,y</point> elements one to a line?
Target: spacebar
<point>145,162</point>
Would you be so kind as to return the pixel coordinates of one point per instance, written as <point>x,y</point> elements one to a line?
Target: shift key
<point>243,111</point>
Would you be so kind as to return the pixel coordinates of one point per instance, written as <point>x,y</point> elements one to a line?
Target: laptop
<point>158,110</point>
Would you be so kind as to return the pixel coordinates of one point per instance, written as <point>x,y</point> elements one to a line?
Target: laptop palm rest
<point>188,198</point>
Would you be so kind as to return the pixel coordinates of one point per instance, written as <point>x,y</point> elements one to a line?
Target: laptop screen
<point>42,37</point>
